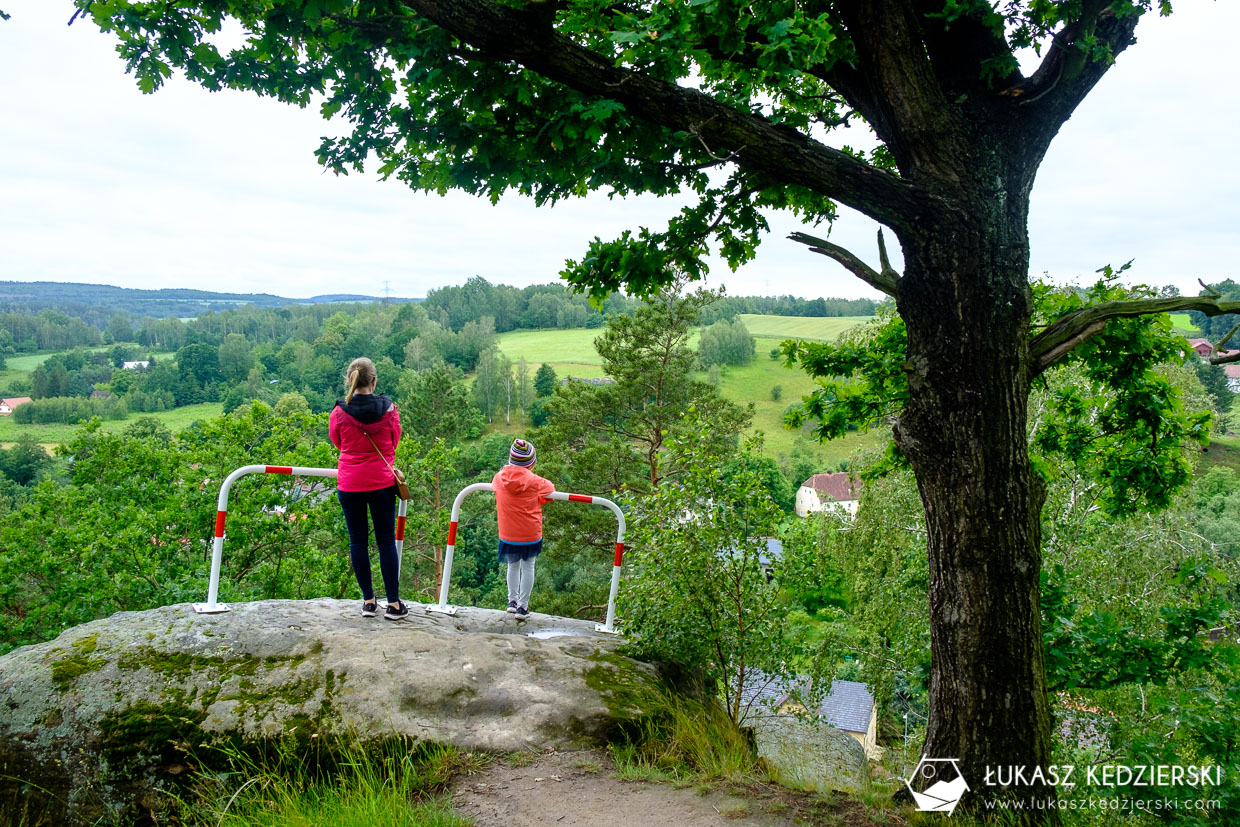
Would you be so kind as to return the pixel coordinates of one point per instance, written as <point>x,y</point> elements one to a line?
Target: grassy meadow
<point>1183,324</point>
<point>814,328</point>
<point>571,353</point>
<point>54,434</point>
<point>754,382</point>
<point>1223,452</point>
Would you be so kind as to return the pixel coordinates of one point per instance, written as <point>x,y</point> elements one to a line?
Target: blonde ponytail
<point>360,374</point>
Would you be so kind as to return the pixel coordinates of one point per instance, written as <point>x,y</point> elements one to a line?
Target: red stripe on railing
<point>619,552</point>
<point>278,469</point>
<point>452,533</point>
<point>219,523</point>
<point>400,528</point>
<point>580,498</point>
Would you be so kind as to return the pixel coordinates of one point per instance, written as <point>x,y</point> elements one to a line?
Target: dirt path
<point>580,789</point>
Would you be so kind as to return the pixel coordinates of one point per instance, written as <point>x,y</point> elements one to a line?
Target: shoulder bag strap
<point>380,453</point>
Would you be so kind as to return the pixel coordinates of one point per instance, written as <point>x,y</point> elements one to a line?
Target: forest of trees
<point>57,316</point>
<point>253,352</point>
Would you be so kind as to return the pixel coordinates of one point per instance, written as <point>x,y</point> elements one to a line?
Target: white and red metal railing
<point>556,495</point>
<point>212,605</point>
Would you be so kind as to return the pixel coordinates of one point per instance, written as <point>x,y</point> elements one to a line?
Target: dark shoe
<point>369,607</point>
<point>512,607</point>
<point>396,612</point>
<point>522,611</point>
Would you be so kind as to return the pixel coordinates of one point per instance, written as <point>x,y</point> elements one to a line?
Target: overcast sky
<point>184,188</point>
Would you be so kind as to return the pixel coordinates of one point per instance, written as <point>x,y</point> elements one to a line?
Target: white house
<point>839,492</point>
<point>7,405</point>
<point>1233,376</point>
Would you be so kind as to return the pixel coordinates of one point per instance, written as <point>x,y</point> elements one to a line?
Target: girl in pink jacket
<point>519,498</point>
<point>365,426</point>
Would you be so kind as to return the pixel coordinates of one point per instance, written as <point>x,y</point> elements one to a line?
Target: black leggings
<point>382,505</point>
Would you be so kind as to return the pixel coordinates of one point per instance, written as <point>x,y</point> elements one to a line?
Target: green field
<point>1222,452</point>
<point>19,367</point>
<point>816,328</point>
<point>30,361</point>
<point>56,434</point>
<point>753,383</point>
<point>1182,323</point>
<point>571,353</point>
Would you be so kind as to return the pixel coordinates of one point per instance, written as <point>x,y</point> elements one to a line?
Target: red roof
<point>1205,349</point>
<point>1232,371</point>
<point>838,486</point>
<point>15,401</point>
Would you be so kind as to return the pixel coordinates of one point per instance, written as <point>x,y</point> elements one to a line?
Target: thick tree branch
<point>778,153</point>
<point>1065,57</point>
<point>894,86</point>
<point>960,48</point>
<point>886,279</point>
<point>1061,336</point>
<point>1068,73</point>
<point>1217,357</point>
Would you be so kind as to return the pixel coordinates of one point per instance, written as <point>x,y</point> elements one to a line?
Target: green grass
<point>1222,452</point>
<point>753,383</point>
<point>19,367</point>
<point>57,434</point>
<point>6,378</point>
<point>571,353</point>
<point>686,740</point>
<point>368,786</point>
<point>818,328</point>
<point>1182,323</point>
<point>30,361</point>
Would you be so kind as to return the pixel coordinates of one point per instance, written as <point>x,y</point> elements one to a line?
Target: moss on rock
<point>627,692</point>
<point>68,669</point>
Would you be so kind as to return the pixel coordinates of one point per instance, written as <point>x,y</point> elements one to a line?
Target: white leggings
<point>521,581</point>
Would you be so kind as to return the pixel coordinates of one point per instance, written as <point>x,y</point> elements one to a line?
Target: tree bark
<point>964,431</point>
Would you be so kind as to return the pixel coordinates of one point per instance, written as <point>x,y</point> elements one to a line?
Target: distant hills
<point>32,297</point>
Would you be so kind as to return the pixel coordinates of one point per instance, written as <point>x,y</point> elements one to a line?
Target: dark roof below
<point>848,706</point>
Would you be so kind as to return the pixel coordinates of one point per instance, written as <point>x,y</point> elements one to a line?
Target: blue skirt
<point>515,552</point>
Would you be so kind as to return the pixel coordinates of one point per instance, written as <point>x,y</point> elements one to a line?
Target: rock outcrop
<point>810,753</point>
<point>111,712</point>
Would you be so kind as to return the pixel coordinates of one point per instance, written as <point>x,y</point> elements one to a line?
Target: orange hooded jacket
<point>519,497</point>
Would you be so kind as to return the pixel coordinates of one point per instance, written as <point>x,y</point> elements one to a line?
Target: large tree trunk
<point>967,305</point>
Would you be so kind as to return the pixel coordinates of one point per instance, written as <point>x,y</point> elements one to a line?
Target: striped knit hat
<point>522,453</point>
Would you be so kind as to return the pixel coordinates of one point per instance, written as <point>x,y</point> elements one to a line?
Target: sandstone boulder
<point>101,719</point>
<point>809,753</point>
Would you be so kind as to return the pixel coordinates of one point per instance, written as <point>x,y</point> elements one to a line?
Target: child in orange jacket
<point>519,498</point>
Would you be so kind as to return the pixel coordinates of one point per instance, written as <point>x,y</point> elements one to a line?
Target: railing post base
<point>210,608</point>
<point>446,610</point>
<point>602,627</point>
